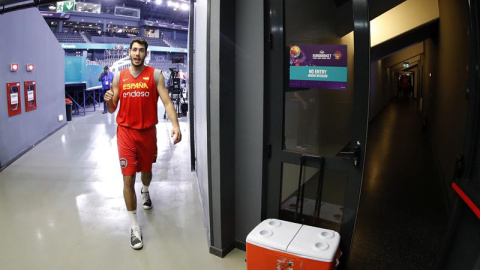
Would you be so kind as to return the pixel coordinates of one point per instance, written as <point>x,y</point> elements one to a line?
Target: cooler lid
<point>273,234</point>
<point>315,243</point>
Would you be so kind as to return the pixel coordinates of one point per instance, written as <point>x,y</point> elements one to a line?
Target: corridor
<point>402,213</point>
<point>62,207</point>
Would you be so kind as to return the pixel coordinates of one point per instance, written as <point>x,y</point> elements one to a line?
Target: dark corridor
<point>402,214</point>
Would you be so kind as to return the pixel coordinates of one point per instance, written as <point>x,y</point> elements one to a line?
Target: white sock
<point>133,217</point>
<point>145,188</point>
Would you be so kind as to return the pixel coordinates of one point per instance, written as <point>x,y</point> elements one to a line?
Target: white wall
<point>403,18</point>
<point>200,88</point>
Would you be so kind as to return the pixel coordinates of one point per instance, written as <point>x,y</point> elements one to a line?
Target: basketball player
<point>136,91</point>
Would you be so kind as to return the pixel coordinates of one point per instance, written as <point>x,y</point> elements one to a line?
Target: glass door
<point>317,83</point>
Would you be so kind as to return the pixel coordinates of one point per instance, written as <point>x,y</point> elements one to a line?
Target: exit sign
<point>66,6</point>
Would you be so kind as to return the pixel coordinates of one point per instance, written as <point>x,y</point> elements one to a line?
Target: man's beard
<point>139,65</point>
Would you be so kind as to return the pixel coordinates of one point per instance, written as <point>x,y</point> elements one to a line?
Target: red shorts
<point>137,149</point>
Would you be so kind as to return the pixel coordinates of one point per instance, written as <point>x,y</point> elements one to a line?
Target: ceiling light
<point>184,6</point>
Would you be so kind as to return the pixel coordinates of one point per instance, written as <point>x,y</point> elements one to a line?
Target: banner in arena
<point>318,66</point>
<point>56,15</point>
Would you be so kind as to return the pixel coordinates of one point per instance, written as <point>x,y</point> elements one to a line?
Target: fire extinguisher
<point>14,98</point>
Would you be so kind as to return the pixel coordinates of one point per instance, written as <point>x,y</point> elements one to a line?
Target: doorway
<point>317,88</point>
<point>291,109</point>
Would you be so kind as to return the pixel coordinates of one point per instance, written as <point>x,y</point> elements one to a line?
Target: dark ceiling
<point>9,2</point>
<point>148,10</point>
<point>151,11</point>
<point>377,7</point>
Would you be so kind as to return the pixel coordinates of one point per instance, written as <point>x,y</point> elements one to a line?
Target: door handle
<point>355,153</point>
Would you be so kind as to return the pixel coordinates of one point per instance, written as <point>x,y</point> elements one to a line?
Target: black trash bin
<point>68,106</point>
<point>184,109</point>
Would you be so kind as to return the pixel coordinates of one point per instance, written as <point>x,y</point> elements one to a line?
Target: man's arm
<point>100,78</point>
<point>111,97</point>
<point>169,108</point>
<point>302,100</point>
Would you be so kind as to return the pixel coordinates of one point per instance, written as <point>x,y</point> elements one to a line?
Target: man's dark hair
<point>105,67</point>
<point>140,41</point>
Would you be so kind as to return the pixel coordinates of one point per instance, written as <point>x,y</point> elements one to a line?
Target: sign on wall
<point>66,6</point>
<point>318,66</point>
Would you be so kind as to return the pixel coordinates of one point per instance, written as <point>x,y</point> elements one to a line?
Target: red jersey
<point>138,99</point>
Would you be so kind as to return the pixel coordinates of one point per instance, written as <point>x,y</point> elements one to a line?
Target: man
<point>137,89</point>
<point>106,78</point>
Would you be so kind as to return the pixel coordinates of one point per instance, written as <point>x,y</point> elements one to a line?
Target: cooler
<point>277,244</point>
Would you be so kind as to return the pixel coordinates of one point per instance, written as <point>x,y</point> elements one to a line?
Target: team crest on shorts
<point>123,163</point>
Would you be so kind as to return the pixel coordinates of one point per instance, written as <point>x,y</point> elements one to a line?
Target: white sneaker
<point>147,203</point>
<point>136,238</point>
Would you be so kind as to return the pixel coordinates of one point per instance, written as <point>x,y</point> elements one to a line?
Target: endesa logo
<point>133,86</point>
<point>136,94</point>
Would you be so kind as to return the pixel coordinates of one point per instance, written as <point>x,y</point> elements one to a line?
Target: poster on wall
<point>30,95</point>
<point>318,66</point>
<point>14,103</point>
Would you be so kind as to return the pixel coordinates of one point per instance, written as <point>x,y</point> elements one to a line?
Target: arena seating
<point>69,38</point>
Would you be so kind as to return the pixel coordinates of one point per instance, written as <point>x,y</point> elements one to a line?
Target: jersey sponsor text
<point>136,94</point>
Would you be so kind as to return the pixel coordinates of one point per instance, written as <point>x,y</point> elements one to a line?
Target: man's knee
<point>129,180</point>
<point>146,175</point>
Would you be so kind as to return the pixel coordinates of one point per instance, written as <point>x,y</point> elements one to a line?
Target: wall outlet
<point>60,117</point>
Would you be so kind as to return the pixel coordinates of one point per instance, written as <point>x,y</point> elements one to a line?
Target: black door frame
<point>275,79</point>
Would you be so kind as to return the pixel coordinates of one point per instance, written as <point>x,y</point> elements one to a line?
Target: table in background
<point>79,94</point>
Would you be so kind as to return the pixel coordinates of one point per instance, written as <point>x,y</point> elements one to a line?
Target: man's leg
<point>131,203</point>
<point>104,102</point>
<point>129,192</point>
<point>146,180</point>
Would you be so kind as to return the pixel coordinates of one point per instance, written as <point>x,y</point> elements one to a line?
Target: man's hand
<point>176,134</point>
<point>305,105</point>
<point>108,95</point>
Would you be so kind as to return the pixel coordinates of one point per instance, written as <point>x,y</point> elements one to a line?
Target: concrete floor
<point>62,207</point>
<point>402,216</point>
